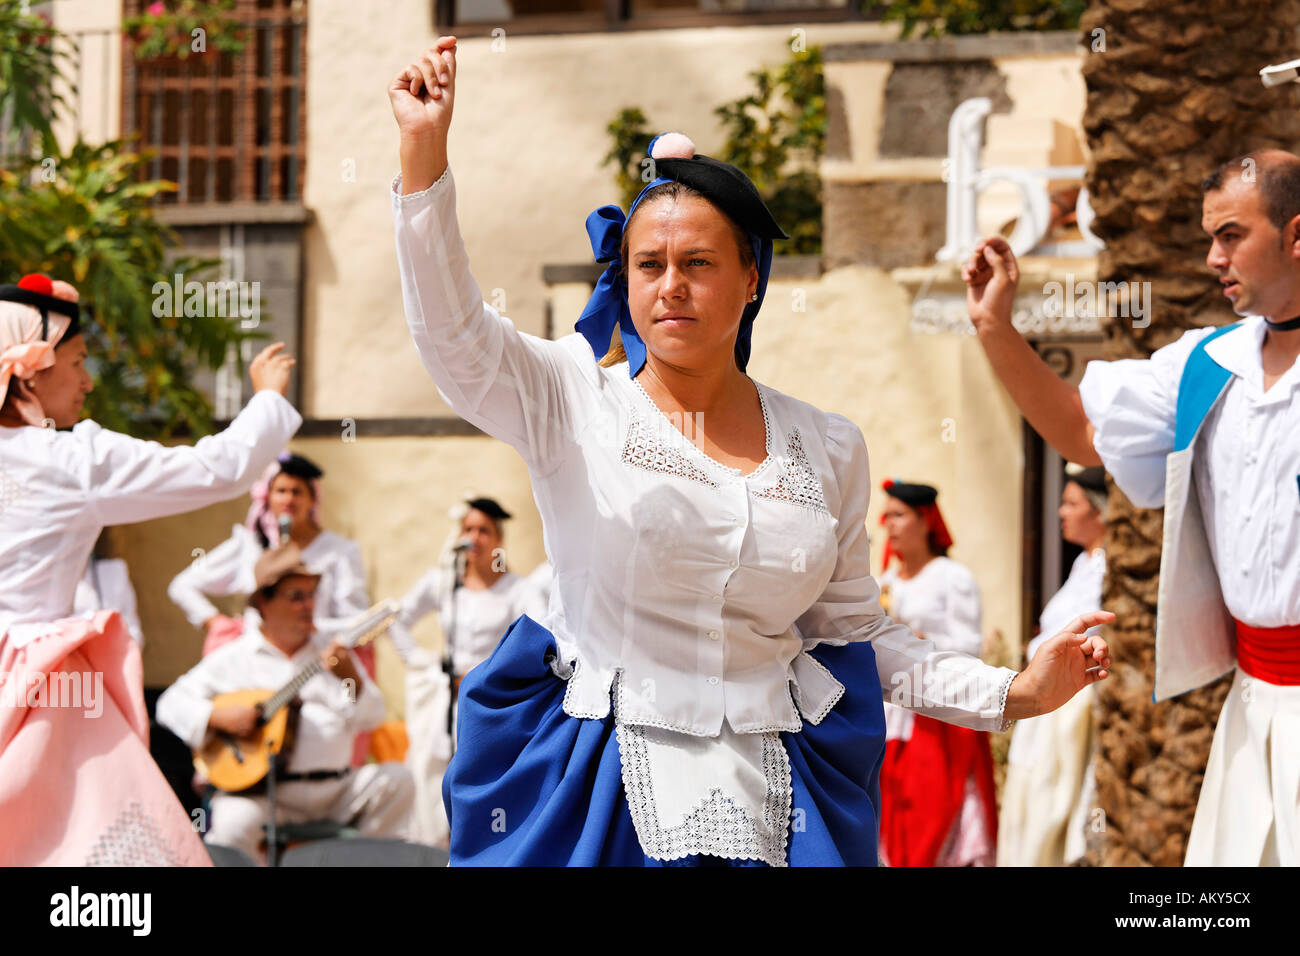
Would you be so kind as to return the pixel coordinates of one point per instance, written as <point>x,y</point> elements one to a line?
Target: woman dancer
<point>668,710</point>
<point>938,803</point>
<point>1048,792</point>
<point>77,784</point>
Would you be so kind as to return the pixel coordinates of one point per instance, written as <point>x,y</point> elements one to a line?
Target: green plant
<point>956,17</point>
<point>181,27</point>
<point>30,60</point>
<point>86,217</point>
<point>631,134</point>
<point>776,135</point>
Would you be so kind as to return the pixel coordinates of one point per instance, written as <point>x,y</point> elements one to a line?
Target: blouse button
<point>713,680</point>
<point>713,635</point>
<point>717,598</point>
<point>734,564</point>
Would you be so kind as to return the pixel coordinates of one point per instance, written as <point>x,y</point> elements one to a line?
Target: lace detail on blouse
<point>132,839</point>
<point>798,483</point>
<point>1002,703</point>
<point>718,826</point>
<point>645,449</point>
<point>10,491</point>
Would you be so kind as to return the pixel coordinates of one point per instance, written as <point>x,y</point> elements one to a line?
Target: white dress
<point>688,593</point>
<point>77,791</point>
<point>942,604</point>
<point>1246,479</point>
<point>480,618</point>
<point>1048,795</point>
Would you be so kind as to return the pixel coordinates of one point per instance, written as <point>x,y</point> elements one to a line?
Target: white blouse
<point>689,590</point>
<point>58,489</point>
<point>106,585</point>
<point>479,619</point>
<point>1081,592</point>
<point>941,603</point>
<point>1247,470</point>
<point>228,569</point>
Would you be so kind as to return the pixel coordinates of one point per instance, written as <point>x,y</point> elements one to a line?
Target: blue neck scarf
<point>608,308</point>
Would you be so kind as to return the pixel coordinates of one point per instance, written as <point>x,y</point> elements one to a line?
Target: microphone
<point>286,525</point>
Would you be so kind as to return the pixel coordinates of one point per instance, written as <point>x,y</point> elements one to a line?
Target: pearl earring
<point>754,297</point>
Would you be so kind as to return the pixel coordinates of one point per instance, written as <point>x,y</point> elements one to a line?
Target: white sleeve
<point>126,479</point>
<point>425,597</point>
<point>223,570</point>
<point>349,598</point>
<point>368,710</point>
<point>516,387</point>
<point>965,623</point>
<point>120,595</point>
<point>952,687</point>
<point>1131,405</point>
<point>185,707</point>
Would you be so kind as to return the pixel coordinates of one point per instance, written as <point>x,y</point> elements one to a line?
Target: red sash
<point>1270,654</point>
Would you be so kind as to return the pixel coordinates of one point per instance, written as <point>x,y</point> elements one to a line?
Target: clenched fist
<point>422,96</point>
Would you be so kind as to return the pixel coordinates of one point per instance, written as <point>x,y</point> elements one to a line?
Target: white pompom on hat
<point>672,146</point>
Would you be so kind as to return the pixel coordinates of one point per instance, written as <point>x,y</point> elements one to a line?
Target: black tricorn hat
<point>726,187</point>
<point>490,508</point>
<point>1090,477</point>
<point>300,467</point>
<point>911,494</point>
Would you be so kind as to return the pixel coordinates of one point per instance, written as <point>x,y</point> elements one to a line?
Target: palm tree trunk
<point>1173,90</point>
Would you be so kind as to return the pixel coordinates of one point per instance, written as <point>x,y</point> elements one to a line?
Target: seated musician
<point>336,703</point>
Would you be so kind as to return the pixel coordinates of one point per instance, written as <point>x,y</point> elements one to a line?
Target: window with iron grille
<point>475,17</point>
<point>226,128</point>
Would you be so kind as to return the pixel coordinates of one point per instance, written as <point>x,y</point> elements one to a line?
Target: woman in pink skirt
<point>77,784</point>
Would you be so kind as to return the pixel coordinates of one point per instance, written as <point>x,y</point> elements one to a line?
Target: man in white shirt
<point>337,703</point>
<point>1217,411</point>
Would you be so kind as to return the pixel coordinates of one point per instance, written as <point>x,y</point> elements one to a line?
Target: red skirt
<point>923,789</point>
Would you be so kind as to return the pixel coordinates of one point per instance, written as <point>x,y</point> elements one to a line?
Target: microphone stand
<point>448,659</point>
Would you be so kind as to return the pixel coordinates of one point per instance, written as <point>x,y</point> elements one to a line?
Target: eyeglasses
<point>297,596</point>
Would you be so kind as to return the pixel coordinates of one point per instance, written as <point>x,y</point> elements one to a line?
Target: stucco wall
<point>527,140</point>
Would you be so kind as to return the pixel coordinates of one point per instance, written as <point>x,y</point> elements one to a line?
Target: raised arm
<point>1051,405</point>
<point>516,387</point>
<point>126,479</point>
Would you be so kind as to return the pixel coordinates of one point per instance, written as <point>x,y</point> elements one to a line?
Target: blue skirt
<point>531,786</point>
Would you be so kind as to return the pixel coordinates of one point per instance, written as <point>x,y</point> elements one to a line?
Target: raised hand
<point>271,369</point>
<point>422,96</point>
<point>991,276</point>
<point>1063,666</point>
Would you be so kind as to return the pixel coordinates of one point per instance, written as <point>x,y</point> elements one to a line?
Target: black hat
<point>1090,479</point>
<point>726,187</point>
<point>300,467</point>
<point>37,291</point>
<point>911,494</point>
<point>489,508</point>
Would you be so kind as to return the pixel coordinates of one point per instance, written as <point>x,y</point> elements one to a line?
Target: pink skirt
<point>77,784</point>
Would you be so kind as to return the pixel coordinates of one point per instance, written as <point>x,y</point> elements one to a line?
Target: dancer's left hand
<point>1063,666</point>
